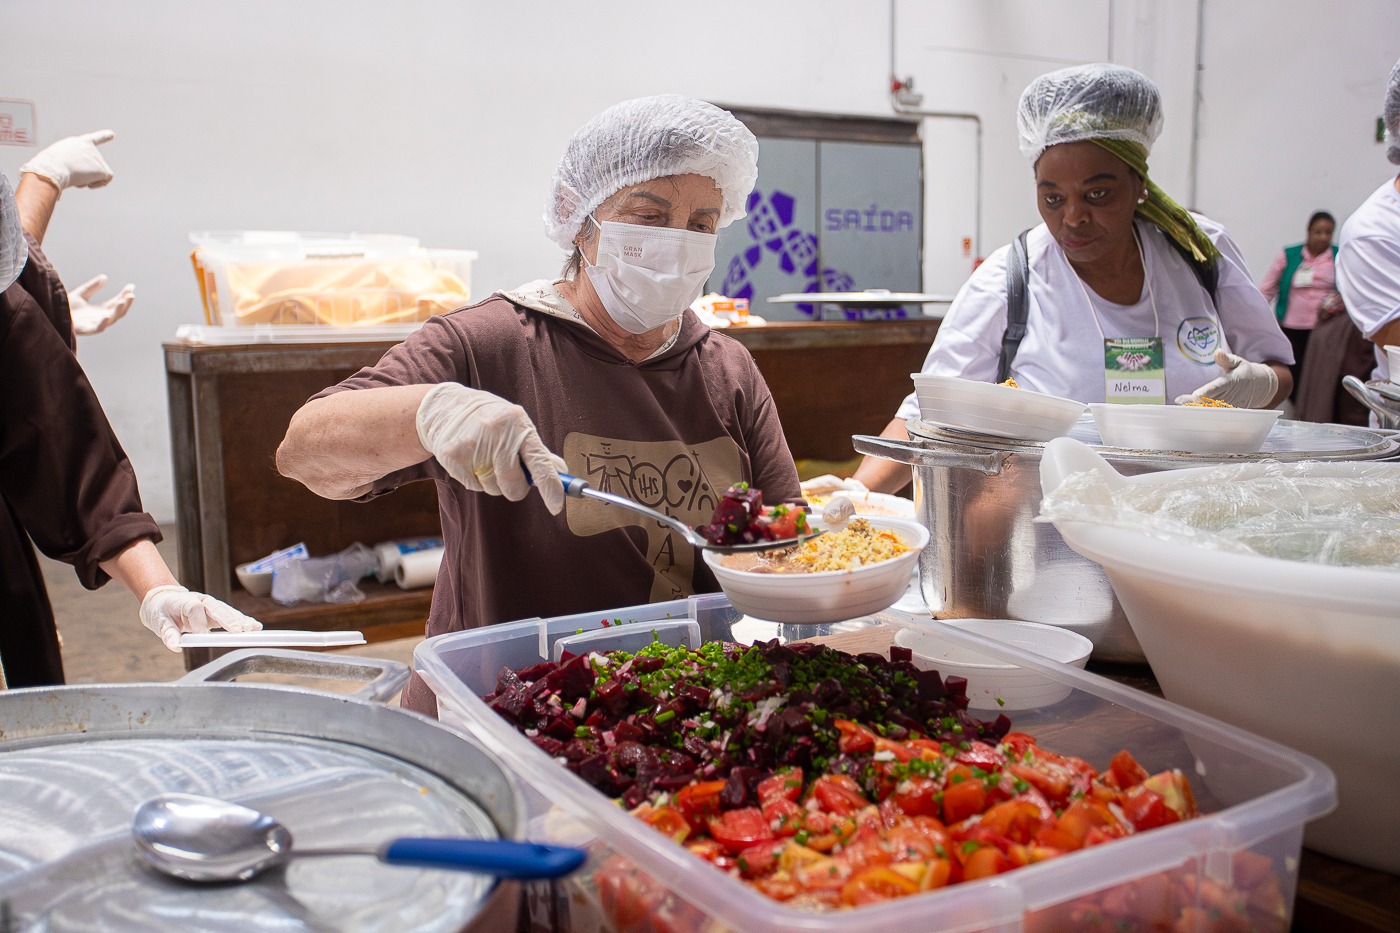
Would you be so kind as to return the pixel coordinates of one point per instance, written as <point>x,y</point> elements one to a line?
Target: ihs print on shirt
<point>685,481</point>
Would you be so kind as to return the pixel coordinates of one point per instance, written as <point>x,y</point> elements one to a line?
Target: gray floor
<point>105,642</point>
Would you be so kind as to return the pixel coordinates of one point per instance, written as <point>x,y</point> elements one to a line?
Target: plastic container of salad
<point>1232,868</point>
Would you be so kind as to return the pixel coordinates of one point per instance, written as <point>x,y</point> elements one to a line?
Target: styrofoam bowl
<point>1302,653</point>
<point>830,596</point>
<point>993,684</point>
<point>870,503</point>
<point>257,583</point>
<point>988,408</point>
<point>1186,428</point>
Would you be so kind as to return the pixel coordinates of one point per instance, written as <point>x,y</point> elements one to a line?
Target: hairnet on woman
<point>1368,249</point>
<point>1128,297</point>
<point>604,366</point>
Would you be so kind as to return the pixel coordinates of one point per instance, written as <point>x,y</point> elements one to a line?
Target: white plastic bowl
<point>1305,654</point>
<point>994,684</point>
<point>870,503</point>
<point>1184,427</point>
<point>988,408</point>
<point>830,596</point>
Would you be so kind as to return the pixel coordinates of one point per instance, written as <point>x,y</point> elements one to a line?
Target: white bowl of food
<point>1188,428</point>
<point>994,684</point>
<point>793,587</point>
<point>868,503</point>
<point>1298,651</point>
<point>993,408</point>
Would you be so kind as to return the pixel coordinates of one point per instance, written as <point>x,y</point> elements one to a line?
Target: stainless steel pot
<point>987,556</point>
<point>75,762</point>
<point>1382,398</point>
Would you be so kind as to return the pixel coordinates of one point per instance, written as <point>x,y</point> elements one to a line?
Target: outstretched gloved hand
<point>828,483</point>
<point>482,440</point>
<point>91,318</point>
<point>171,610</point>
<point>73,162</point>
<point>1242,384</point>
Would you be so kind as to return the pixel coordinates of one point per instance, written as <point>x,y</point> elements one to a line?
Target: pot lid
<point>74,777</point>
<point>1289,440</point>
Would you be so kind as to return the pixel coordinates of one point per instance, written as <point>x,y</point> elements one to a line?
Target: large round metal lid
<point>1289,440</point>
<point>336,771</point>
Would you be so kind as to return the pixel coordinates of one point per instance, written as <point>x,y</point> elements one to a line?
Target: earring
<point>1142,198</point>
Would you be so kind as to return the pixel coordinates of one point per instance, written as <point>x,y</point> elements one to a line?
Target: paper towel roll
<point>419,568</point>
<point>391,552</point>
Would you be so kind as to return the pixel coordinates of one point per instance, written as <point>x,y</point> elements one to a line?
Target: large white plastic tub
<point>1305,654</point>
<point>1258,796</point>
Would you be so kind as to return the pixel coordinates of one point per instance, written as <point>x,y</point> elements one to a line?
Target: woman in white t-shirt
<point>1117,271</point>
<point>1368,255</point>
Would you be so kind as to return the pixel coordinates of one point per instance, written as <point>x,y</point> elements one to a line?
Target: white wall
<point>443,119</point>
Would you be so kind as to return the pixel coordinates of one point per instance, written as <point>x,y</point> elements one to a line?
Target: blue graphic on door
<point>778,241</point>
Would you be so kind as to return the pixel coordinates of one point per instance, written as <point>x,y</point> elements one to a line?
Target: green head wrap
<point>1159,208</point>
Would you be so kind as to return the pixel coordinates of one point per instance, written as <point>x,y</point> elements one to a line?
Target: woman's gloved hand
<point>73,162</point>
<point>172,610</point>
<point>1242,384</point>
<point>89,318</point>
<point>482,440</point>
<point>828,483</point>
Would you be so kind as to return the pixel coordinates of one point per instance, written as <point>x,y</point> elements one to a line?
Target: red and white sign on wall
<point>16,122</point>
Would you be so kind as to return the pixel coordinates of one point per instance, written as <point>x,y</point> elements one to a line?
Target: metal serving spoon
<point>207,839</point>
<point>579,488</point>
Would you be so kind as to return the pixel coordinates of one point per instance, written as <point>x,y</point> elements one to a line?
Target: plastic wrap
<point>1289,514</point>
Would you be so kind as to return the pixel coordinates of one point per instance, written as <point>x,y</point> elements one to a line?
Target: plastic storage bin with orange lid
<point>1242,855</point>
<point>249,277</point>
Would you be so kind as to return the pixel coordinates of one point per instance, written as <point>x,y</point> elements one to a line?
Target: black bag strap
<point>1018,273</point>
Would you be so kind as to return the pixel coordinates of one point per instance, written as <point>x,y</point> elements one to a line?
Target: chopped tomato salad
<point>742,518</point>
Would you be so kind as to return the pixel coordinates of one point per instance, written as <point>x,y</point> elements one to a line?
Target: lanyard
<point>1147,279</point>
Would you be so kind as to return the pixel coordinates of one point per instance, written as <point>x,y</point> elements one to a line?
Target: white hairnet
<point>1392,115</point>
<point>14,251</point>
<point>1088,102</point>
<point>650,137</point>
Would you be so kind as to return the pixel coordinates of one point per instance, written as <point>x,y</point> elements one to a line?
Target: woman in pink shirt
<point>1299,280</point>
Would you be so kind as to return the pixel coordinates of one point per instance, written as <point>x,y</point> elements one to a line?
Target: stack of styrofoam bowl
<point>990,408</point>
<point>1189,428</point>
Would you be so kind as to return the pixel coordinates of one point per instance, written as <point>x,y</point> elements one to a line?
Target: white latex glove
<point>91,318</point>
<point>170,610</point>
<point>73,162</point>
<point>828,483</point>
<point>482,440</point>
<point>1242,384</point>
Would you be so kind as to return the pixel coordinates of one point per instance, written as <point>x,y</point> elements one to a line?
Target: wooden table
<point>229,409</point>
<point>832,379</point>
<point>230,406</point>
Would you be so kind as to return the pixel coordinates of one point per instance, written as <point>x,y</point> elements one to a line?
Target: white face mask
<point>14,251</point>
<point>646,276</point>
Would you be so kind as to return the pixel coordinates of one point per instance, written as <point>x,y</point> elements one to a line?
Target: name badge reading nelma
<point>1134,373</point>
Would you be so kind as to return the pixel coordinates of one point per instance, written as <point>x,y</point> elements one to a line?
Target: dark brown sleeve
<point>62,469</point>
<point>41,282</point>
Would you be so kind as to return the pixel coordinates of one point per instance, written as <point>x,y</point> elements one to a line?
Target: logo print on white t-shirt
<point>1197,338</point>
